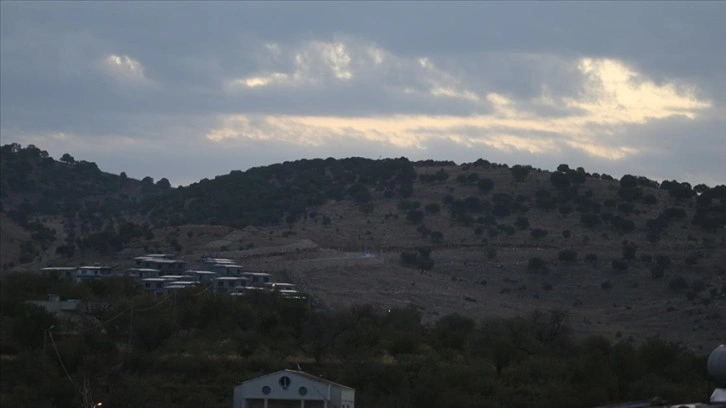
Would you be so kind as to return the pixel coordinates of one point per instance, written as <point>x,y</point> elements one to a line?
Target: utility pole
<point>174,309</point>
<point>131,326</point>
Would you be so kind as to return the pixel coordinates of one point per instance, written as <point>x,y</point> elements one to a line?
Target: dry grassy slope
<point>12,236</point>
<point>326,261</point>
<point>464,280</point>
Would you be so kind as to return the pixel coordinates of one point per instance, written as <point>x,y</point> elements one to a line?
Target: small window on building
<point>284,382</point>
<point>302,391</point>
<point>266,389</point>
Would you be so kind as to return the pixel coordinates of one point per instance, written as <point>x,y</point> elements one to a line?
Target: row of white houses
<point>162,274</point>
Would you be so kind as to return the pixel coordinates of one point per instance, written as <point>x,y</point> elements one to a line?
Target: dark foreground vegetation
<point>128,349</point>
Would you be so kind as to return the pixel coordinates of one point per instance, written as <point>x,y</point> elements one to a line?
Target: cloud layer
<point>150,88</point>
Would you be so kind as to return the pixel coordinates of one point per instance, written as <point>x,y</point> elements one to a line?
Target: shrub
<point>485,185</point>
<point>491,253</point>
<point>567,255</point>
<point>692,259</point>
<point>628,181</point>
<point>650,199</point>
<point>538,233</point>
<point>619,265</point>
<point>520,172</point>
<point>678,284</point>
<point>415,216</point>
<point>536,264</point>
<point>560,180</point>
<point>437,236</point>
<point>606,285</point>
<point>675,212</point>
<point>656,272</point>
<point>629,249</point>
<point>432,208</point>
<point>565,209</point>
<point>522,222</point>
<point>590,220</point>
<point>408,205</point>
<point>698,286</point>
<point>663,260</point>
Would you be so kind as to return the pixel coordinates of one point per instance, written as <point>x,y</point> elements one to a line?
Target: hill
<point>626,258</point>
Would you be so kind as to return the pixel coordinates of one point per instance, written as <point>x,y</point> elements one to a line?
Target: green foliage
<point>485,185</point>
<point>629,249</point>
<point>415,216</point>
<point>678,284</point>
<point>663,260</point>
<point>419,258</point>
<point>567,255</point>
<point>520,172</point>
<point>440,175</point>
<point>675,213</point>
<point>204,345</point>
<point>590,220</point>
<point>432,208</point>
<point>30,326</point>
<point>522,223</point>
<point>560,180</point>
<point>536,264</point>
<point>619,264</point>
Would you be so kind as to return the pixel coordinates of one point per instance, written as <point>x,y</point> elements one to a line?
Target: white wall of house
<point>289,388</point>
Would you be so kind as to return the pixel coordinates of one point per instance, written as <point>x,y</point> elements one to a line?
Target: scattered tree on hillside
<point>520,172</point>
<point>67,158</point>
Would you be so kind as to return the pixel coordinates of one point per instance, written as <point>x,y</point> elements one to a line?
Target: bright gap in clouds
<point>612,96</point>
<point>124,69</point>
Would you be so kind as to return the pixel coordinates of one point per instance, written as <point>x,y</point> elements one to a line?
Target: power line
<point>60,359</point>
<point>204,290</point>
<point>164,299</point>
<point>102,323</point>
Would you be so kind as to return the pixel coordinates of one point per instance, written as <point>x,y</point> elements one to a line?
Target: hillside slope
<point>626,258</point>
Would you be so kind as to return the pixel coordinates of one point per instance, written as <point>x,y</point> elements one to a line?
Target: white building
<point>154,285</point>
<point>201,276</point>
<point>227,269</point>
<point>142,273</point>
<point>292,389</point>
<point>162,262</point>
<point>229,284</point>
<point>257,279</point>
<point>86,273</point>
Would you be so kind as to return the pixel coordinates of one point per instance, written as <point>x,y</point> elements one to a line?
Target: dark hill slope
<point>287,191</point>
<point>60,203</point>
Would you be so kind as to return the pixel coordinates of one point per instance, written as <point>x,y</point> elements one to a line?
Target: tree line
<point>190,349</point>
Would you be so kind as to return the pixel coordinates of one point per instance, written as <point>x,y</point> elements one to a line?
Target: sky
<point>188,90</point>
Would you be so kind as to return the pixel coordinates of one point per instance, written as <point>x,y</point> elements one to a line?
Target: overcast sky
<point>191,90</point>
